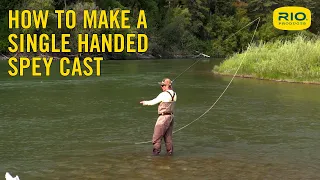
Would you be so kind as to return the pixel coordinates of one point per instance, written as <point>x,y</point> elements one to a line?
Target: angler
<point>164,125</point>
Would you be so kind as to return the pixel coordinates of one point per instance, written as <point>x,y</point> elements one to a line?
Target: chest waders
<point>164,126</point>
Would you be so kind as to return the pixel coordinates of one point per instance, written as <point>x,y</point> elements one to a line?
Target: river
<point>85,127</point>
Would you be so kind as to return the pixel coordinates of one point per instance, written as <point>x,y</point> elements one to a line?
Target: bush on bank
<point>296,60</point>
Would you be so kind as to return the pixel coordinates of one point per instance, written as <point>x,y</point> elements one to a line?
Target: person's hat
<point>165,81</point>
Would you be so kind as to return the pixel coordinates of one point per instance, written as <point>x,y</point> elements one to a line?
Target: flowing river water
<point>85,127</point>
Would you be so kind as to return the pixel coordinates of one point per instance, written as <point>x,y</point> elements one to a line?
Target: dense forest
<point>176,28</point>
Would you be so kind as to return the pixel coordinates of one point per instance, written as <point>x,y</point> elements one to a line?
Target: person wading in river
<point>164,125</point>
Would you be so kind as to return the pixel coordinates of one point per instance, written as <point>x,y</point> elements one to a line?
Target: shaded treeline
<point>175,27</point>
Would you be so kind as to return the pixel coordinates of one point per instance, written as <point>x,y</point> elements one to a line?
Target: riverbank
<point>277,80</point>
<point>296,61</point>
<point>109,56</point>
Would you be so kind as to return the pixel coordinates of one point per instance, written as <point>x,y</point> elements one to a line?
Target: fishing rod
<point>258,19</point>
<point>224,40</point>
<point>185,70</point>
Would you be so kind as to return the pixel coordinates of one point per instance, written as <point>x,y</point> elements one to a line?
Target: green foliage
<point>5,6</point>
<point>175,27</point>
<point>4,33</point>
<point>174,33</point>
<point>297,59</point>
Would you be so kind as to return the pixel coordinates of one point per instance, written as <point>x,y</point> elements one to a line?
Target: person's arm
<point>154,101</point>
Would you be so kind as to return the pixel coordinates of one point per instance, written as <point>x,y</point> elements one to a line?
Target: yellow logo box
<point>292,18</point>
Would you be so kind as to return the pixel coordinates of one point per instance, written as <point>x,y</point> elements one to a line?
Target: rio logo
<point>292,18</point>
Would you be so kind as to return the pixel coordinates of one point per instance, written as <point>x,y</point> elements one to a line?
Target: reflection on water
<point>85,128</point>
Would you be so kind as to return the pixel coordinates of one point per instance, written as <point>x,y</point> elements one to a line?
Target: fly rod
<point>186,70</point>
